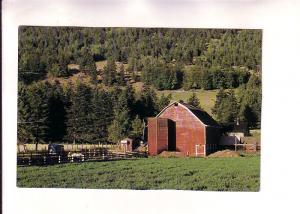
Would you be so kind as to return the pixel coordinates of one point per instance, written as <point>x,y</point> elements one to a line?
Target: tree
<point>120,76</point>
<point>24,114</point>
<point>109,75</point>
<point>79,124</point>
<point>146,105</point>
<point>225,108</point>
<point>121,124</point>
<point>57,113</point>
<point>163,101</point>
<point>250,98</point>
<point>88,65</point>
<point>137,127</point>
<point>247,114</point>
<point>115,132</point>
<point>33,113</point>
<point>54,70</point>
<point>194,101</point>
<point>63,62</point>
<point>102,115</point>
<point>38,99</point>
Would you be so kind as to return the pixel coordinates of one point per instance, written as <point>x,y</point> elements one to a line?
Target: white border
<point>280,142</point>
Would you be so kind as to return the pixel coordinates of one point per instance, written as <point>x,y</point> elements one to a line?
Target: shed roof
<point>241,127</point>
<point>203,116</point>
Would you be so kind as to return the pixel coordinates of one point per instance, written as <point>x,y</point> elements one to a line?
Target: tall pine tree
<point>225,108</point>
<point>79,114</point>
<point>194,101</point>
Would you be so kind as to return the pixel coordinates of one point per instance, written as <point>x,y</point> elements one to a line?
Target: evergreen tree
<point>102,114</point>
<point>38,100</point>
<point>147,104</point>
<point>24,114</point>
<point>57,113</point>
<point>225,108</point>
<point>63,65</point>
<point>137,128</point>
<point>250,98</point>
<point>194,101</point>
<point>109,75</point>
<point>120,76</point>
<point>54,70</point>
<point>163,101</point>
<point>90,67</point>
<point>121,124</point>
<point>79,114</point>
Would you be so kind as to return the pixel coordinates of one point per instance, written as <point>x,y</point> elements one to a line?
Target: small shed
<point>127,144</point>
<point>234,134</point>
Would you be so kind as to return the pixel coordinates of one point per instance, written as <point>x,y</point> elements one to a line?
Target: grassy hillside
<point>213,174</point>
<point>207,98</point>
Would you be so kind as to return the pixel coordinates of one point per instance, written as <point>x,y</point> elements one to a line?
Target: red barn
<point>183,128</point>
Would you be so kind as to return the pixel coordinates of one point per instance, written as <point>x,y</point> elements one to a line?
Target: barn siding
<point>162,135</point>
<point>157,135</point>
<point>189,130</point>
<point>152,130</point>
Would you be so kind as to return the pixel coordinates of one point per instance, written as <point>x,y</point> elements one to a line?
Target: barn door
<point>197,149</point>
<point>171,135</point>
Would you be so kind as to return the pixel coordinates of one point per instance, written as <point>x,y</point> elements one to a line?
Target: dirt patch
<point>225,153</point>
<point>142,148</point>
<point>167,154</point>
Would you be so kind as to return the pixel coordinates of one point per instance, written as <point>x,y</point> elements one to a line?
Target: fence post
<point>45,160</point>
<point>29,161</point>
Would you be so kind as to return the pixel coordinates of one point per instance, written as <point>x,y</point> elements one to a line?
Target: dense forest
<point>108,108</point>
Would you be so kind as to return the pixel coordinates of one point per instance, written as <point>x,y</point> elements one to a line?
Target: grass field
<point>212,174</point>
<point>207,98</point>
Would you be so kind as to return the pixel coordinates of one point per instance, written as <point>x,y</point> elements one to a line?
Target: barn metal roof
<point>203,116</point>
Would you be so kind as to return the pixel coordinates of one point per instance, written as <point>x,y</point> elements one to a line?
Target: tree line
<point>245,105</point>
<point>48,112</point>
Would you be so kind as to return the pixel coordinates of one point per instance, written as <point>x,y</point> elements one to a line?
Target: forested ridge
<point>221,58</point>
<point>108,108</point>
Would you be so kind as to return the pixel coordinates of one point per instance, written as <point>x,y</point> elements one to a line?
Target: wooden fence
<point>248,148</point>
<point>44,158</point>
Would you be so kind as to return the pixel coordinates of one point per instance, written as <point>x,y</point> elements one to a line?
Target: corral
<point>73,154</point>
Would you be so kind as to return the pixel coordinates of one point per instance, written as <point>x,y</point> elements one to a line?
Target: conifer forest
<point>96,85</point>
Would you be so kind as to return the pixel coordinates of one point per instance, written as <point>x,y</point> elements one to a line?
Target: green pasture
<point>211,174</point>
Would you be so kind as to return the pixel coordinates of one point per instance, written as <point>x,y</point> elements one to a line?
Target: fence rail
<point>44,158</point>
